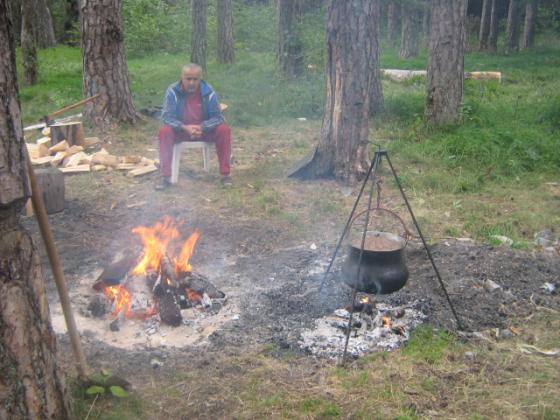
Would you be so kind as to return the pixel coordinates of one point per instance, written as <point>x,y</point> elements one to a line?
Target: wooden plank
<point>143,170</point>
<point>75,169</point>
<point>45,141</point>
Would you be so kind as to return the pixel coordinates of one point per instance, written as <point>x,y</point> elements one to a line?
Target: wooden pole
<point>56,267</point>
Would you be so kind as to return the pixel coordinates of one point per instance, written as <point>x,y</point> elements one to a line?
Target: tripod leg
<point>459,324</point>
<point>347,226</point>
<point>377,160</point>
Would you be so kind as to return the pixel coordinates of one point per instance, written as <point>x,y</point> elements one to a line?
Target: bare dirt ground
<point>263,259</point>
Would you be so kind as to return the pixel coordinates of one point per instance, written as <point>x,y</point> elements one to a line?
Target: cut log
<point>104,159</point>
<point>76,169</point>
<point>58,158</point>
<point>147,162</point>
<point>59,147</point>
<point>45,141</point>
<point>484,75</point>
<point>37,150</point>
<point>143,170</point>
<point>169,310</point>
<point>97,168</point>
<point>72,132</point>
<point>51,182</point>
<point>76,159</point>
<point>73,150</point>
<point>131,159</point>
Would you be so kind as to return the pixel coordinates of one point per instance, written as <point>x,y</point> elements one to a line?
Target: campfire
<point>159,282</point>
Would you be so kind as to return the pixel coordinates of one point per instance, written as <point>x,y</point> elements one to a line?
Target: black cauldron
<point>382,270</point>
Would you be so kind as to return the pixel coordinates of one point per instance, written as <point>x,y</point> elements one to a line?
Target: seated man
<point>191,112</point>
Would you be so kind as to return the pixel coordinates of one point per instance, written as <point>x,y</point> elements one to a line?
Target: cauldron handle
<point>407,233</point>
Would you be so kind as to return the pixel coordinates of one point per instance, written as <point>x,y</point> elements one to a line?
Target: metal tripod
<point>372,176</point>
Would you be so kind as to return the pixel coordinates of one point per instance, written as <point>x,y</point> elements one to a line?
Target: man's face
<point>190,80</point>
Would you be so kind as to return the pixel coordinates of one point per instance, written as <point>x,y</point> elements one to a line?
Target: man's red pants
<point>220,136</point>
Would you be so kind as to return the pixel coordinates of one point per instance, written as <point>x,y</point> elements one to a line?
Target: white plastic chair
<point>178,150</point>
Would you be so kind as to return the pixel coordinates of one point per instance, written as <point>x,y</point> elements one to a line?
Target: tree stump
<point>51,181</point>
<point>72,132</point>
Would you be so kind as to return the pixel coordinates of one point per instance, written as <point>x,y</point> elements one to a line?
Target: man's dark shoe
<point>164,183</point>
<point>226,181</point>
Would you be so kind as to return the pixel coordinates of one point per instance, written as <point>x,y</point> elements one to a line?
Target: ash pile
<point>375,327</point>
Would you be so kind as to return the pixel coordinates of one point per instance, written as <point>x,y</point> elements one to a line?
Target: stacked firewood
<point>71,155</point>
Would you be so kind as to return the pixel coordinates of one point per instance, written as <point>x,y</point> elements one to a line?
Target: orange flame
<point>365,300</point>
<point>120,296</point>
<point>182,262</point>
<point>387,321</point>
<point>156,240</point>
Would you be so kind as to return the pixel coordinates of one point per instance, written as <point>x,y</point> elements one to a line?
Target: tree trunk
<point>426,24</point>
<point>393,17</point>
<point>290,56</point>
<point>494,28</point>
<point>14,12</point>
<point>444,83</point>
<point>28,47</point>
<point>343,146</point>
<point>198,39</point>
<point>376,103</point>
<point>529,27</point>
<point>225,32</point>
<point>512,31</point>
<point>44,29</point>
<point>31,385</point>
<point>411,26</point>
<point>104,63</point>
<point>484,25</point>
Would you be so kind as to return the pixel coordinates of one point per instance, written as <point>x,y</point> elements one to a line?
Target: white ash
<point>368,333</point>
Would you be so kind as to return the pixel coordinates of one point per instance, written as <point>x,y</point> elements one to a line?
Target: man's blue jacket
<point>174,105</point>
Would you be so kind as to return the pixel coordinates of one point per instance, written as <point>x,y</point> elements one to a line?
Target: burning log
<point>199,284</point>
<point>169,310</point>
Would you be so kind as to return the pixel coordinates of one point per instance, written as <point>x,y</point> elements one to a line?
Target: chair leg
<point>175,161</point>
<point>206,157</point>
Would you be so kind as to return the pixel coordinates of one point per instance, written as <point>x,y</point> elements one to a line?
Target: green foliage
<point>155,26</point>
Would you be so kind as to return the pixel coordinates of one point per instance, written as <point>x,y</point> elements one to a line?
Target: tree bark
<point>494,28</point>
<point>104,63</point>
<point>289,53</point>
<point>342,151</point>
<point>44,29</point>
<point>484,25</point>
<point>411,26</point>
<point>198,39</point>
<point>376,102</point>
<point>446,61</point>
<point>31,385</point>
<point>426,24</point>
<point>225,32</point>
<point>529,27</point>
<point>28,47</point>
<point>14,12</point>
<point>512,31</point>
<point>393,17</point>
